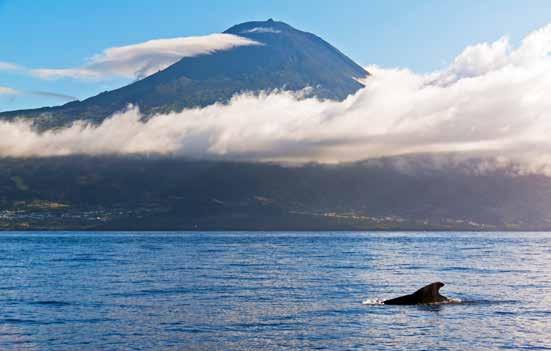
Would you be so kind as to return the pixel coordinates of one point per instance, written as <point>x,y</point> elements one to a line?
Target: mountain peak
<point>256,27</point>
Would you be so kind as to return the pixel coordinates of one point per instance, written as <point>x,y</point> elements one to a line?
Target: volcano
<point>286,59</point>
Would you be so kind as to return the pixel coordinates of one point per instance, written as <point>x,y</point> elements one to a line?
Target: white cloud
<point>476,60</point>
<point>8,91</point>
<point>261,30</point>
<point>8,66</point>
<point>484,58</point>
<point>143,59</point>
<point>491,102</point>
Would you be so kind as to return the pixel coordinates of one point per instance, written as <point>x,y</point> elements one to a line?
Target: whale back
<point>427,294</point>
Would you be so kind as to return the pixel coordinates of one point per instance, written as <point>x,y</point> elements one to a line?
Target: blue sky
<point>421,35</point>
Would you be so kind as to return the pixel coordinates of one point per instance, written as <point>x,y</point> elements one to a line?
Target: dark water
<point>272,291</point>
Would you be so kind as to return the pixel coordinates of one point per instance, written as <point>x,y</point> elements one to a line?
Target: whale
<point>426,295</point>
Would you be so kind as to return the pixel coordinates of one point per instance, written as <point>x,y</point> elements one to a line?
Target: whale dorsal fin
<point>430,293</point>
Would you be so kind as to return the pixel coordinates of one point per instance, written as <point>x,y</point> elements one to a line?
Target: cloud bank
<point>143,59</point>
<point>492,101</point>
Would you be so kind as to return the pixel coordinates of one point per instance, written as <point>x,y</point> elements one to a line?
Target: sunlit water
<point>272,291</point>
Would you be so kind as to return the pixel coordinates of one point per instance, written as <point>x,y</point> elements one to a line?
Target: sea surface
<point>272,291</point>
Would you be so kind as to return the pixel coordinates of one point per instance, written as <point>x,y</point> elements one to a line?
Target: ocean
<point>272,291</point>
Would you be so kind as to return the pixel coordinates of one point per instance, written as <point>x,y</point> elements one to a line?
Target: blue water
<point>272,291</point>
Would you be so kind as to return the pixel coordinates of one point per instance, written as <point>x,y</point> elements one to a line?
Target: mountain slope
<point>288,59</point>
<point>171,193</point>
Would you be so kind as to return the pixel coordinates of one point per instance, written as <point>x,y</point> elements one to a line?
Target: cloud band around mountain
<point>491,102</point>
